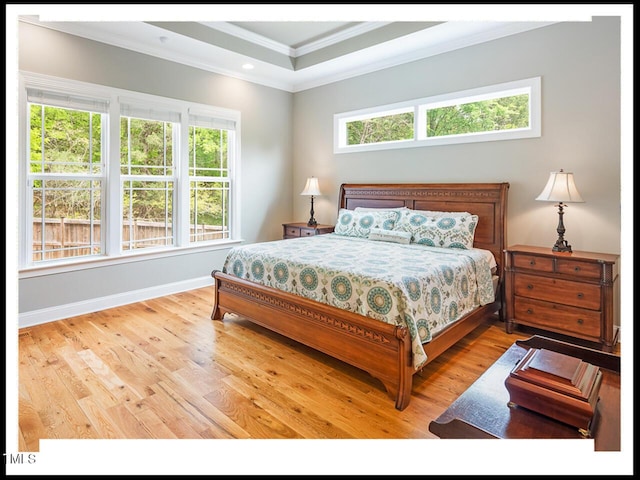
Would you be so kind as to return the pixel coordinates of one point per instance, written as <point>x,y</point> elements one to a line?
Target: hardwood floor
<point>161,369</point>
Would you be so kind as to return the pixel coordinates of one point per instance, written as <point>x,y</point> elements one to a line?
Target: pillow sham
<point>393,236</point>
<point>358,224</point>
<point>431,213</point>
<point>447,231</point>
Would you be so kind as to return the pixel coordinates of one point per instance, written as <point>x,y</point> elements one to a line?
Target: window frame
<point>201,119</point>
<point>532,86</point>
<point>81,104</point>
<point>112,252</point>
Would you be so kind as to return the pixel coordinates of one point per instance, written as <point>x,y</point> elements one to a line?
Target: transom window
<point>498,112</point>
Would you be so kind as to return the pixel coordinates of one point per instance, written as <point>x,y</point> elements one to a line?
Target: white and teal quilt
<point>425,288</point>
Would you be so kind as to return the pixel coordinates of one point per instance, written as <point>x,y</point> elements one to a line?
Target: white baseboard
<point>37,317</point>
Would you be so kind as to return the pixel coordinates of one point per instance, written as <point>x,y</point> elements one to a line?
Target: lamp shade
<point>311,188</point>
<point>560,188</point>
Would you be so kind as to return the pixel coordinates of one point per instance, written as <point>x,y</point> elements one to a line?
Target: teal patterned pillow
<point>397,210</point>
<point>358,224</point>
<point>447,231</point>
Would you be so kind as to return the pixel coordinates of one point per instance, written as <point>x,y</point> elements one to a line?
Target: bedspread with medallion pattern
<point>425,288</point>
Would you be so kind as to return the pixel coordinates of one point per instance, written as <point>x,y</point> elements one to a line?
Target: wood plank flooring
<point>162,369</point>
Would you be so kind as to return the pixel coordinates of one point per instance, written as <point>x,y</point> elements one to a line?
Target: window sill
<point>64,266</point>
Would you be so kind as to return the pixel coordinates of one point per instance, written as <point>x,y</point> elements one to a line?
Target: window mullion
<point>113,188</point>
<point>181,191</point>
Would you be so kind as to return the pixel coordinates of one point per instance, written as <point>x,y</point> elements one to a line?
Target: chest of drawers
<point>575,294</point>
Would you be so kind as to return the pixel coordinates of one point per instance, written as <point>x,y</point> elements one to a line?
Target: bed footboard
<point>381,349</point>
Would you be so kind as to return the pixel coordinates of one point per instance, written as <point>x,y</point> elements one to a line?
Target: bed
<point>370,339</point>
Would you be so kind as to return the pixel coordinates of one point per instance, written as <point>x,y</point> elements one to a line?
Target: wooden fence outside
<point>66,237</point>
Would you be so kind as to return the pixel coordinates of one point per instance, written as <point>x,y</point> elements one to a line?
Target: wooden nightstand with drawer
<point>575,294</point>
<point>295,230</point>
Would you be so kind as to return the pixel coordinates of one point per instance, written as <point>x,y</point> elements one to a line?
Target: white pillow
<point>394,236</point>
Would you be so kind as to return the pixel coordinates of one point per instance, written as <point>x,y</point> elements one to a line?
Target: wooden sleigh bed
<point>381,349</point>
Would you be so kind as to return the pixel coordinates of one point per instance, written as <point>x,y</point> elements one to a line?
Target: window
<point>65,175</point>
<point>148,175</point>
<point>498,112</point>
<point>110,175</point>
<point>390,126</point>
<point>211,144</point>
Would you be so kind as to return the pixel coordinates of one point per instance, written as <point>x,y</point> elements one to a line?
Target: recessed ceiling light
<point>164,39</point>
<point>247,66</point>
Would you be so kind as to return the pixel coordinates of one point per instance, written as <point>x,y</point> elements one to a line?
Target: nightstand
<point>294,230</point>
<point>575,294</point>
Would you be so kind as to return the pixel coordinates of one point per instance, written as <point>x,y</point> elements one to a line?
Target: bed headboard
<point>487,200</point>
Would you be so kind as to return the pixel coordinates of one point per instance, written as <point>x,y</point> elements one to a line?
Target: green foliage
<point>504,113</point>
<point>146,147</point>
<point>71,145</point>
<point>208,152</point>
<point>208,157</point>
<point>380,129</point>
<point>489,115</point>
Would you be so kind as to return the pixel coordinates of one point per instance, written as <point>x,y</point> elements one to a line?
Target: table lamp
<point>311,189</point>
<point>560,188</point>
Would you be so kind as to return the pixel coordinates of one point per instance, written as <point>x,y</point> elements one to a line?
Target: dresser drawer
<point>292,231</point>
<point>533,262</point>
<point>566,292</point>
<point>300,229</point>
<point>578,269</point>
<point>558,318</point>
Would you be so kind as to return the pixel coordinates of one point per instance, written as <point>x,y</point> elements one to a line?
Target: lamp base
<point>312,221</point>
<point>561,246</point>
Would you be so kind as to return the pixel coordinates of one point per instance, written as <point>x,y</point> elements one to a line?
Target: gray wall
<point>287,137</point>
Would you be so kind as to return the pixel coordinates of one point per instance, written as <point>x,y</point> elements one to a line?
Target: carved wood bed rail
<point>382,349</point>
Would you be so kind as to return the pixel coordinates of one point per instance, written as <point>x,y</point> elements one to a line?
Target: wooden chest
<point>557,385</point>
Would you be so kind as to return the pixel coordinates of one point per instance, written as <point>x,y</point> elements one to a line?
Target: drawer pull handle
<point>576,269</point>
<point>532,262</point>
<point>580,295</point>
<point>529,311</point>
<point>530,287</point>
<point>580,321</point>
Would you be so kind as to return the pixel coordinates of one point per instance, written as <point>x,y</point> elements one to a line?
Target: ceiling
<point>289,55</point>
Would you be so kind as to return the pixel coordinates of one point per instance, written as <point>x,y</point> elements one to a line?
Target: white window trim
<point>112,253</point>
<point>528,85</point>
